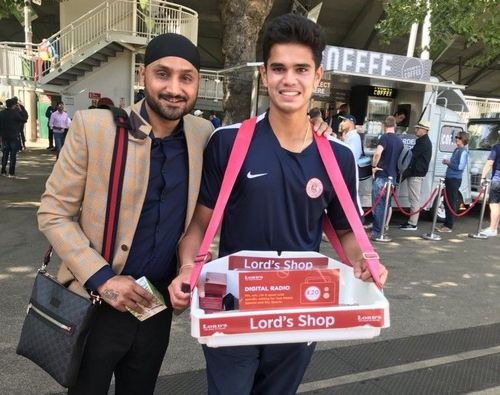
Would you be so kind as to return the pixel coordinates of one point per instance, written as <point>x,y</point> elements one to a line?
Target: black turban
<point>171,44</point>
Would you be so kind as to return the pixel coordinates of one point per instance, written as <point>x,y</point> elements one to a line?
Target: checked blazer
<point>73,207</point>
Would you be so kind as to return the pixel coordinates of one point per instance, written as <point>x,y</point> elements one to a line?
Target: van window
<point>483,135</point>
<point>447,138</point>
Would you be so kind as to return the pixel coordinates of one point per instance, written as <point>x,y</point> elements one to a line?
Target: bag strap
<point>236,158</point>
<point>333,169</point>
<point>115,187</point>
<point>116,177</point>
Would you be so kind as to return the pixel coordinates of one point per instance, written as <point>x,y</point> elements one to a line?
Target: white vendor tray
<point>362,312</point>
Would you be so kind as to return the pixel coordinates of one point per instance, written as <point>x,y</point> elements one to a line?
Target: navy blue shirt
<point>161,223</point>
<point>393,145</point>
<point>279,197</point>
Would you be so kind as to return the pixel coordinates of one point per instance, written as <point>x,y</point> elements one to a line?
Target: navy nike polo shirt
<point>279,197</point>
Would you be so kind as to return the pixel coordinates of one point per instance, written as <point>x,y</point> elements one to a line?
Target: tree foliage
<point>475,21</point>
<point>10,7</point>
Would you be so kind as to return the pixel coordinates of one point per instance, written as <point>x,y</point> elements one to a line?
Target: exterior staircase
<point>93,39</point>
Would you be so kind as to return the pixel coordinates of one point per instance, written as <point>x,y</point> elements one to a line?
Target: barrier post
<point>433,236</point>
<point>478,235</point>
<point>383,237</point>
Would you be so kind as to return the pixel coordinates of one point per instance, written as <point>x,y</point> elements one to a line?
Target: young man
<point>350,135</point>
<point>161,183</point>
<point>278,202</point>
<point>421,154</point>
<point>384,165</point>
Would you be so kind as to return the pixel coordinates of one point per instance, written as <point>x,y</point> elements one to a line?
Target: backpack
<point>404,160</point>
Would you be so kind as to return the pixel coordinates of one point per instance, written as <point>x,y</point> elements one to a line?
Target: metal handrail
<point>111,16</point>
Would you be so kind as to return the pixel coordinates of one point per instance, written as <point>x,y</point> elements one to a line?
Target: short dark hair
<point>59,102</point>
<point>293,29</point>
<point>15,99</point>
<point>464,136</point>
<point>9,103</point>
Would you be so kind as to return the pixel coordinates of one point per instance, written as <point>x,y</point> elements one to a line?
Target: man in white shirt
<point>350,135</point>
<point>59,123</point>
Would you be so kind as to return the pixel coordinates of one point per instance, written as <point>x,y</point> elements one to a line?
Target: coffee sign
<point>380,64</point>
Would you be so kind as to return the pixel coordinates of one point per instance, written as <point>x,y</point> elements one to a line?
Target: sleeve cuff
<point>100,277</point>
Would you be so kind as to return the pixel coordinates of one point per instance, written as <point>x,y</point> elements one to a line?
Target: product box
<point>215,284</point>
<point>278,289</point>
<point>157,305</point>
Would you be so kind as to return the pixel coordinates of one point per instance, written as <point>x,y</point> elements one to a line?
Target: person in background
<point>336,120</point>
<point>350,135</point>
<point>400,117</point>
<point>421,154</point>
<point>215,120</point>
<point>50,110</point>
<point>105,103</point>
<point>59,122</point>
<point>278,202</point>
<point>384,165</point>
<point>493,165</point>
<point>198,113</point>
<point>10,122</point>
<point>453,179</point>
<point>24,115</point>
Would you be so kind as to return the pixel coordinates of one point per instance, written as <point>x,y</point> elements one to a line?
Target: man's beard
<point>164,110</point>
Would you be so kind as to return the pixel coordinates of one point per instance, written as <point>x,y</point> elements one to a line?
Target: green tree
<point>475,21</point>
<point>11,7</point>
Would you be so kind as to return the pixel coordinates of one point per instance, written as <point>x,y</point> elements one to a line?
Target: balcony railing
<point>16,60</point>
<point>125,17</point>
<point>211,83</point>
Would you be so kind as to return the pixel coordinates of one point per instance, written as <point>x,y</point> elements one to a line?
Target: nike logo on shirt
<point>250,175</point>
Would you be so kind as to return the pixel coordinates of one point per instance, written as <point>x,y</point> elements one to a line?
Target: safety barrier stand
<point>383,237</point>
<point>479,235</point>
<point>433,236</point>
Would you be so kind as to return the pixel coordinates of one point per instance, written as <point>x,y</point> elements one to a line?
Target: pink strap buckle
<point>370,255</point>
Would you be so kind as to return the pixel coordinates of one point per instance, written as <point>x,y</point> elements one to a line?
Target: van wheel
<point>441,214</point>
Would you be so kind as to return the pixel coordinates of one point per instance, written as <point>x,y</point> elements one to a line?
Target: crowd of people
<point>387,158</point>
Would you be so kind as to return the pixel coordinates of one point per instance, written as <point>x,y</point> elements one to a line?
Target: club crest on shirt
<point>314,188</point>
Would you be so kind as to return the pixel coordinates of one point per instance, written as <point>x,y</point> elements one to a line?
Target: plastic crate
<point>362,312</point>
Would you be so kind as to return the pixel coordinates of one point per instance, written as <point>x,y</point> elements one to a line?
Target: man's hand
<point>122,292</point>
<point>321,128</point>
<point>361,271</point>
<point>374,170</point>
<point>178,297</point>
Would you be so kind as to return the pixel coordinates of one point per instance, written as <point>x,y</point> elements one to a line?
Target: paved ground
<point>445,315</point>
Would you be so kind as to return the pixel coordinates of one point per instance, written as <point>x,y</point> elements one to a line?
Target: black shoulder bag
<point>58,320</point>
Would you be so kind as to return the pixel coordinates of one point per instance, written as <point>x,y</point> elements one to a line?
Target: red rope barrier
<point>407,213</point>
<point>471,206</point>
<point>377,201</point>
